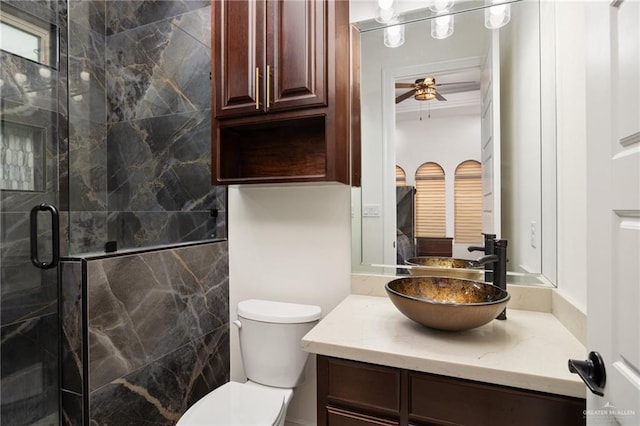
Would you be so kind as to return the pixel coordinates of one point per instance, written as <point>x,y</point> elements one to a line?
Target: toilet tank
<point>270,338</point>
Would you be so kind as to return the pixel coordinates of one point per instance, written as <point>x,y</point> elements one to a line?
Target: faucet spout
<point>484,260</point>
<point>475,248</point>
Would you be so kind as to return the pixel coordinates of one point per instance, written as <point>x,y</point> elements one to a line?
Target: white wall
<point>292,244</point>
<point>447,141</point>
<point>520,139</point>
<point>572,161</point>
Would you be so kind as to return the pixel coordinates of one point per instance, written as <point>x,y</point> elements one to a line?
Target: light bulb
<point>44,73</point>
<point>394,36</point>
<point>497,16</point>
<point>442,27</point>
<point>20,78</point>
<point>440,5</point>
<point>385,16</point>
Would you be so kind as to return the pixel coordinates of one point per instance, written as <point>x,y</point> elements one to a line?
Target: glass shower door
<point>31,130</point>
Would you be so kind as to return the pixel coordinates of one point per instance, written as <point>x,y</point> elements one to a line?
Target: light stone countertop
<point>529,350</point>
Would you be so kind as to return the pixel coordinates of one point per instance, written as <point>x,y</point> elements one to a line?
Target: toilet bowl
<point>239,404</point>
<point>270,334</point>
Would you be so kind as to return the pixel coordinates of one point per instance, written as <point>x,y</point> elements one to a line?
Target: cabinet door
<point>238,57</point>
<point>297,54</point>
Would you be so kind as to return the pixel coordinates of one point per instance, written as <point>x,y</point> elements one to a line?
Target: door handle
<point>592,372</point>
<point>55,236</point>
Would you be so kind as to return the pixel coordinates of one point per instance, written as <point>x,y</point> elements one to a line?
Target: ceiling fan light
<point>425,94</point>
<point>497,16</point>
<point>442,27</point>
<point>394,36</point>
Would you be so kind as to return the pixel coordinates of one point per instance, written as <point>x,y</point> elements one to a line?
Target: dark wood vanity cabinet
<point>353,393</point>
<point>282,92</point>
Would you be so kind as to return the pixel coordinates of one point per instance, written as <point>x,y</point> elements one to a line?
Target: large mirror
<point>458,137</point>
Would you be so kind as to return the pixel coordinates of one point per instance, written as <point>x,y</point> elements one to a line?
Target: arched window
<point>468,202</point>
<point>431,204</point>
<point>401,176</point>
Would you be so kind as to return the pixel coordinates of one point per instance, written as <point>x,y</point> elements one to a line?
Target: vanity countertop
<point>529,350</point>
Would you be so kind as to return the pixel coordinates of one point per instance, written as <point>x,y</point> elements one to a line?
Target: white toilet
<point>270,334</point>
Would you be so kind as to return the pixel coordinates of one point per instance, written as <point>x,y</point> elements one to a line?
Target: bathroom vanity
<point>375,366</point>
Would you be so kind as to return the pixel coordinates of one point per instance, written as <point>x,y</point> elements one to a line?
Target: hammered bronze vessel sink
<point>447,303</point>
<point>445,266</point>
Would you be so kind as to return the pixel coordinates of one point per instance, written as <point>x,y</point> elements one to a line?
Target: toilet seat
<point>236,404</point>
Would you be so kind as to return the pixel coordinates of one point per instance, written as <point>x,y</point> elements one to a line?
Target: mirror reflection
<point>458,139</point>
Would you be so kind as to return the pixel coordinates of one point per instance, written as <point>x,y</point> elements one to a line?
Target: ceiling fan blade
<point>456,82</point>
<point>440,97</point>
<point>405,85</point>
<point>404,96</point>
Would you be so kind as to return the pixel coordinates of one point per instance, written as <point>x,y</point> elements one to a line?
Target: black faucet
<point>488,249</point>
<point>500,270</point>
<point>486,261</point>
<point>495,263</point>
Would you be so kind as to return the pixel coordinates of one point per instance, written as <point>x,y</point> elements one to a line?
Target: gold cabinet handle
<point>268,86</point>
<point>257,82</point>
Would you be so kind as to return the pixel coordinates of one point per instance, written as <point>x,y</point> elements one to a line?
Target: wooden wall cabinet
<point>282,92</point>
<point>353,393</point>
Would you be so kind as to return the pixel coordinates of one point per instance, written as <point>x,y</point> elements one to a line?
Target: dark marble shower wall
<point>147,337</point>
<point>140,125</point>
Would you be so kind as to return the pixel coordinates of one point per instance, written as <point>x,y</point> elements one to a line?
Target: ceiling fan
<point>423,89</point>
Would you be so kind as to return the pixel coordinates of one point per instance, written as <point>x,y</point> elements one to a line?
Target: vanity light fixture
<point>394,36</point>
<point>385,12</point>
<point>496,16</point>
<point>442,27</point>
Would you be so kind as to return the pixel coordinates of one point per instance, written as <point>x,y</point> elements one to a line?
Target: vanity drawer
<point>338,417</point>
<point>373,388</point>
<point>444,400</point>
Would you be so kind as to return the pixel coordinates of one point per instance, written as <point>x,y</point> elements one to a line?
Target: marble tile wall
<point>155,336</point>
<point>139,155</point>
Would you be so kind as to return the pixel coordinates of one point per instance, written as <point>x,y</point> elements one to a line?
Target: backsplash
<point>145,336</point>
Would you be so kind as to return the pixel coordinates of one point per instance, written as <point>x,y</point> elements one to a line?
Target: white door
<point>613,206</point>
<point>490,125</point>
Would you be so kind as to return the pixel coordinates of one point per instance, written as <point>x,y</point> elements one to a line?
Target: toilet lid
<point>235,404</point>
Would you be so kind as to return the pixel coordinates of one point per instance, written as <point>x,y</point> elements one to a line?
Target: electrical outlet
<point>371,210</point>
<point>534,234</point>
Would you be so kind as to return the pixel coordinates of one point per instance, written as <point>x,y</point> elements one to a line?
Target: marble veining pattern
<point>124,15</point>
<point>29,385</point>
<point>141,307</point>
<point>161,164</point>
<point>71,326</point>
<point>159,392</point>
<point>156,69</point>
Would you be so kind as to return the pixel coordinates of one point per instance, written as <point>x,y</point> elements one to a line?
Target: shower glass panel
<point>32,123</point>
<point>140,126</point>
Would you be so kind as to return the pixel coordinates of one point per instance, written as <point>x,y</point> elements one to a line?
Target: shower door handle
<point>55,236</point>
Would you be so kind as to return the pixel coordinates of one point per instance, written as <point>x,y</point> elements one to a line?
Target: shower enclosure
<point>104,150</point>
